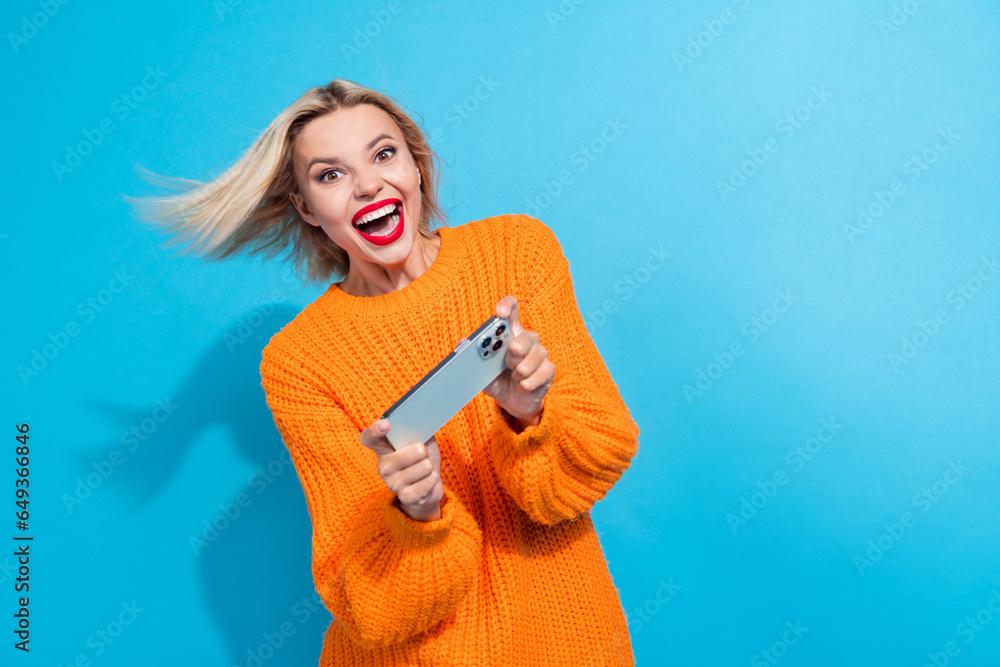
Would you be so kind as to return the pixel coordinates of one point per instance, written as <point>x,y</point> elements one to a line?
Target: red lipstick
<point>390,237</point>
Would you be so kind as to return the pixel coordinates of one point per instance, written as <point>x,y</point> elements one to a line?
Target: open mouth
<point>381,222</point>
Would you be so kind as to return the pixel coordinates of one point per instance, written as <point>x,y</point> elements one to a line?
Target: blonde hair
<point>248,208</point>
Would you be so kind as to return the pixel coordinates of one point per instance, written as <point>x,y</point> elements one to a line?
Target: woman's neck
<point>372,279</point>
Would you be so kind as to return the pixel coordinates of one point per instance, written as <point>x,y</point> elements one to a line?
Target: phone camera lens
<point>486,342</point>
<point>500,329</point>
<point>497,345</point>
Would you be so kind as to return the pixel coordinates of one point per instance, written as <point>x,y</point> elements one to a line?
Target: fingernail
<point>383,426</point>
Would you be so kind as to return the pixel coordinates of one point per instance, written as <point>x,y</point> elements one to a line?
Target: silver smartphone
<point>449,386</point>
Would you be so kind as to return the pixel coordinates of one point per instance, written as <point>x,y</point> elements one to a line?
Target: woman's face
<point>353,162</point>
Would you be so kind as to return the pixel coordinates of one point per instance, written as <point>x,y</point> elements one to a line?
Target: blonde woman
<point>475,547</point>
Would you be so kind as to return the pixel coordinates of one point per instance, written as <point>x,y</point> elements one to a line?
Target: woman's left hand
<point>521,388</point>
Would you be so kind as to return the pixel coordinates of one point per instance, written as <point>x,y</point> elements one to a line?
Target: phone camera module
<point>497,345</point>
<point>486,342</point>
<point>500,329</point>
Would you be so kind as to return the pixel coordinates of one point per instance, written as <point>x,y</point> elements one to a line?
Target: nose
<point>367,183</point>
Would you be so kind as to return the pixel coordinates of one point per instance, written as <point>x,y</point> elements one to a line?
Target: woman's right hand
<point>412,472</point>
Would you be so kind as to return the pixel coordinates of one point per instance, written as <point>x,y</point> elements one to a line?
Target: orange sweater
<point>512,573</point>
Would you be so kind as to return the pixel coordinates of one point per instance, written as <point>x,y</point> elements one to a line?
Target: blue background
<point>694,97</point>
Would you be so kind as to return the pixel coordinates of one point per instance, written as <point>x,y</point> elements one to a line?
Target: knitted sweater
<point>512,573</point>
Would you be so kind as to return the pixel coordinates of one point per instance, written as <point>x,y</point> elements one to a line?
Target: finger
<point>520,347</point>
<point>399,481</point>
<point>544,374</point>
<point>423,489</point>
<point>507,307</point>
<point>375,439</point>
<point>433,451</point>
<point>530,363</point>
<point>424,492</point>
<point>403,458</point>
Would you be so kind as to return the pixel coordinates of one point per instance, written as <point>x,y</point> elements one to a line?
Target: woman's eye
<point>327,176</point>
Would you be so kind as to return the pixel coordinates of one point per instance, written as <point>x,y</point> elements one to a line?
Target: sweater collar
<point>423,290</point>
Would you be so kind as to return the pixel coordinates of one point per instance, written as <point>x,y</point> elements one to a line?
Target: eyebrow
<point>333,160</point>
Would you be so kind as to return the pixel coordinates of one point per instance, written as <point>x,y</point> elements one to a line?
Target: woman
<point>476,547</point>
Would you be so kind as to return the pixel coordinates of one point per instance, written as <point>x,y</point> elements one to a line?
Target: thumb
<point>507,307</point>
<point>375,440</point>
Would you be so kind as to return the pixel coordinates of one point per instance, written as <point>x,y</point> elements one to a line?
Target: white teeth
<point>368,217</point>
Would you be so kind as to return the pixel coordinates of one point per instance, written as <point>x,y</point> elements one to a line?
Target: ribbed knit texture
<point>512,573</point>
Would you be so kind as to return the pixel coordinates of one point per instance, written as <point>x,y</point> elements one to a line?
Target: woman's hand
<point>412,472</point>
<point>520,389</point>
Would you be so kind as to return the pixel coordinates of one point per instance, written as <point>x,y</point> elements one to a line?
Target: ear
<point>300,205</point>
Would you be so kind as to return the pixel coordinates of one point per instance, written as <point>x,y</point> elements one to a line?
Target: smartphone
<point>448,387</point>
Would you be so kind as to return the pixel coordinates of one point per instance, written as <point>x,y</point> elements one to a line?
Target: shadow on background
<point>254,553</point>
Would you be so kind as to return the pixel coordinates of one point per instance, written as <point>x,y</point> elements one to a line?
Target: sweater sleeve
<point>384,576</point>
<point>585,438</point>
